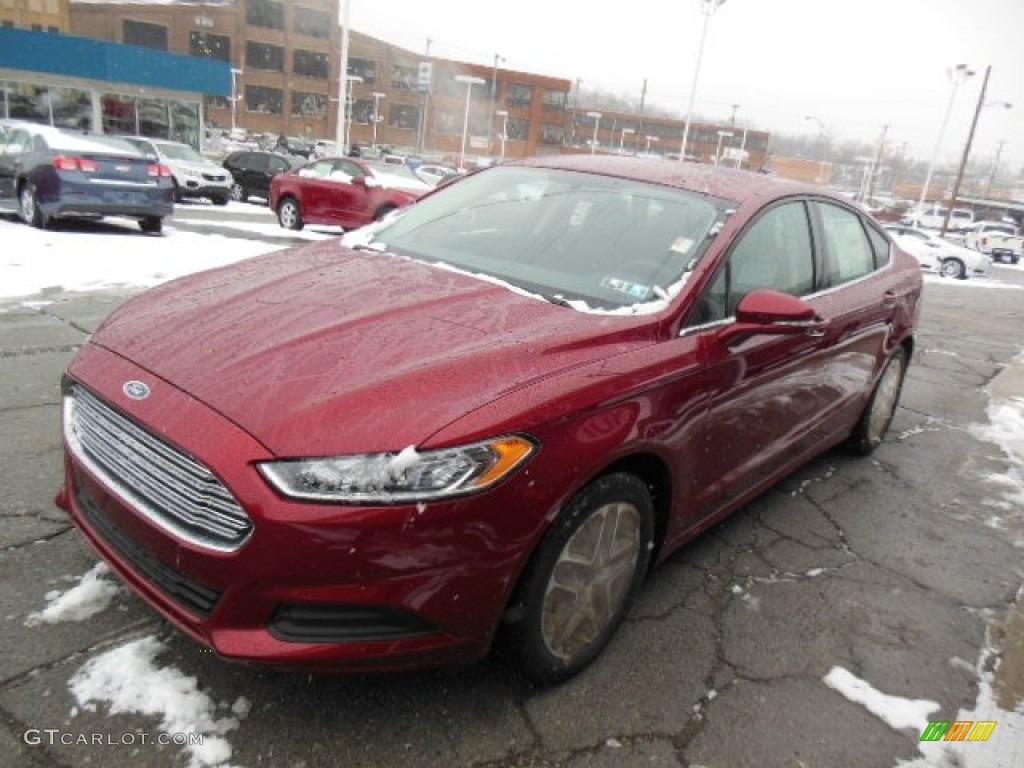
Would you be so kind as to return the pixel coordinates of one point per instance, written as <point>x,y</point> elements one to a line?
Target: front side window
<point>775,252</point>
<point>606,242</point>
<point>848,249</point>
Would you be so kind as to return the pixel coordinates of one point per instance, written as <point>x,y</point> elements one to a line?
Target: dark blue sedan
<point>48,172</point>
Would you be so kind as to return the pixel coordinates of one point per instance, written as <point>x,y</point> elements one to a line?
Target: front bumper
<point>346,588</point>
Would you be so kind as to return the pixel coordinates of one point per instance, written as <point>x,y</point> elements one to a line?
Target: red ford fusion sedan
<point>342,191</point>
<point>493,412</point>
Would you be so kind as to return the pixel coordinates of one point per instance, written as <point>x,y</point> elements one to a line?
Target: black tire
<point>877,416</point>
<point>583,578</point>
<point>29,209</point>
<point>221,199</point>
<point>289,214</point>
<point>239,193</point>
<point>151,225</point>
<point>953,268</point>
<point>383,211</point>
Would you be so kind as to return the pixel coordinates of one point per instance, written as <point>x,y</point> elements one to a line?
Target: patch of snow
<point>91,595</point>
<point>895,711</point>
<point>126,680</point>
<point>1006,429</point>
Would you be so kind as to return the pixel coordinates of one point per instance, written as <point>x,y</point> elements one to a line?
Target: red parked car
<point>495,411</point>
<point>342,191</point>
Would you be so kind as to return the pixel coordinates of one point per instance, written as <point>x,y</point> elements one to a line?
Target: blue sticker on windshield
<point>638,291</point>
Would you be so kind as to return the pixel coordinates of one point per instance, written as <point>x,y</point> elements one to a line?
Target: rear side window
<point>849,252</point>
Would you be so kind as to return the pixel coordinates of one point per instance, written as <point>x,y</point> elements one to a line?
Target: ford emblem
<point>136,390</point>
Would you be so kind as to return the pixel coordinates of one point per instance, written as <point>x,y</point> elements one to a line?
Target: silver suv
<point>194,175</point>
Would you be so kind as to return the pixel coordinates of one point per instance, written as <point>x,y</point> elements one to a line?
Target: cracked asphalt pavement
<point>900,568</point>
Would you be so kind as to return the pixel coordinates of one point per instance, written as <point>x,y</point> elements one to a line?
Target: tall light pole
<point>234,98</point>
<point>341,130</point>
<point>470,81</point>
<point>967,147</point>
<point>596,116</point>
<point>622,137</point>
<point>347,136</point>
<point>494,93</point>
<point>708,8</point>
<point>995,167</point>
<point>503,114</point>
<point>718,148</point>
<point>957,76</point>
<point>377,96</point>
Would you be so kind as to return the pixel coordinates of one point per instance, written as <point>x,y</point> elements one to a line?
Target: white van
<point>933,216</point>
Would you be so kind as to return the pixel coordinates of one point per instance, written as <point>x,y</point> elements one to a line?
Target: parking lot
<point>769,641</point>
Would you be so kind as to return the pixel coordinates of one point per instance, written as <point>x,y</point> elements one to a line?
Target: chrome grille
<point>170,488</point>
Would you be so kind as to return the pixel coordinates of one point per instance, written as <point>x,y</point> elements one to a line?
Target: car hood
<point>321,350</point>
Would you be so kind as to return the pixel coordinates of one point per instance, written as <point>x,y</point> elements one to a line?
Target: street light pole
<point>957,76</point>
<point>494,94</point>
<point>708,8</point>
<point>503,114</point>
<point>597,121</point>
<point>377,96</point>
<point>622,137</point>
<point>470,81</point>
<point>341,129</point>
<point>718,149</point>
<point>234,97</point>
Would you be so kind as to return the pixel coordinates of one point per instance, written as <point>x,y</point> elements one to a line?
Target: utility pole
<point>967,152</point>
<point>874,165</point>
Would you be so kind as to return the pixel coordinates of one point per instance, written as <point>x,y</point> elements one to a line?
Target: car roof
<point>715,181</point>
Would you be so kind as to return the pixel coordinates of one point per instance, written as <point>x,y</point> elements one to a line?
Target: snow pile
<point>1006,429</point>
<point>895,711</point>
<point>127,681</point>
<point>91,595</point>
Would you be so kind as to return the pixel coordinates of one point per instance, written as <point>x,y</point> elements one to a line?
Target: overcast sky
<point>853,65</point>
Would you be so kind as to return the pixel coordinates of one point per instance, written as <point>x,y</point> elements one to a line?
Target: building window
<point>146,35</point>
<point>448,121</point>
<point>404,78</point>
<point>265,13</point>
<point>364,68</point>
<point>517,129</point>
<point>310,64</point>
<point>309,104</point>
<point>554,99</point>
<point>362,112</point>
<point>53,30</point>
<point>404,116</point>
<point>263,56</point>
<point>37,27</point>
<point>267,101</point>
<point>119,115</point>
<point>210,46</point>
<point>551,133</point>
<point>314,23</point>
<point>518,95</point>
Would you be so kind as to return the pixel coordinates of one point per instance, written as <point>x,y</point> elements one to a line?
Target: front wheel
<point>953,268</point>
<point>289,214</point>
<point>238,193</point>
<point>583,577</point>
<point>878,413</point>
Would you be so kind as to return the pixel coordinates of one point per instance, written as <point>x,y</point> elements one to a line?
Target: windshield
<point>180,152</point>
<point>607,242</point>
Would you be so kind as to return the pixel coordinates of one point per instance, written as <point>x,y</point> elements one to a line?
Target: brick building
<point>35,15</point>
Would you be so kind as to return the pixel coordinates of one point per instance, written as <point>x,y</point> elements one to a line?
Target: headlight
<point>397,478</point>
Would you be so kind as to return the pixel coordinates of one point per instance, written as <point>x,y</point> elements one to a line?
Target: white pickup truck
<point>1000,241</point>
